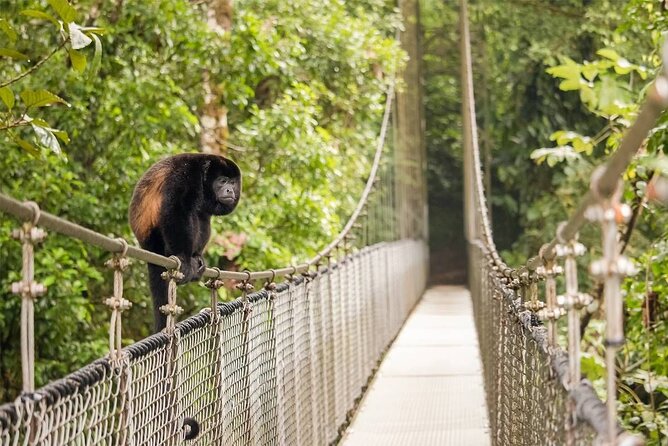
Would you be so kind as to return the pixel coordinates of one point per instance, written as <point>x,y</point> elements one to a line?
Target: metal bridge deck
<point>429,388</point>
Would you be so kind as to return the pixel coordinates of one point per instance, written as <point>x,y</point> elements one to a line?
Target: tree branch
<point>34,67</point>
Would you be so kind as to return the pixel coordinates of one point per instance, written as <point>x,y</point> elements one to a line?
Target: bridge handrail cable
<point>29,212</point>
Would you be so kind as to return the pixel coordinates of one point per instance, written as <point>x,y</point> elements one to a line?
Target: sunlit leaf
<point>565,71</point>
<point>46,138</point>
<point>27,146</point>
<point>554,155</point>
<point>8,52</point>
<point>588,96</point>
<point>589,71</point>
<point>40,98</point>
<point>78,60</point>
<point>40,15</point>
<point>94,30</point>
<point>608,54</point>
<point>7,96</point>
<point>97,55</point>
<point>78,39</point>
<point>571,84</point>
<point>623,66</point>
<point>8,29</point>
<point>64,10</point>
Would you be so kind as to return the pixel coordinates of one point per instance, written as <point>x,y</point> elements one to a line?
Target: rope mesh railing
<point>284,372</point>
<point>283,365</point>
<point>534,388</point>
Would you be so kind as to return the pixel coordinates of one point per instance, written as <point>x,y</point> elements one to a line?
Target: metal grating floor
<point>429,388</point>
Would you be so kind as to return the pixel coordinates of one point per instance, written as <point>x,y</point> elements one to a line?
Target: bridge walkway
<point>429,389</point>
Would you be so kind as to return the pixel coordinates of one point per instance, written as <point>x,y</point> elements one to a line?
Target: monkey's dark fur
<point>171,211</point>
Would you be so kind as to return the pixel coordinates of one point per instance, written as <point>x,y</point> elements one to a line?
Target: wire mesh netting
<point>286,368</point>
<point>526,400</point>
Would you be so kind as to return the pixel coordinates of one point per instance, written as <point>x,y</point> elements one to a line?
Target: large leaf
<point>565,71</point>
<point>97,56</point>
<point>40,15</point>
<point>8,29</point>
<point>8,52</point>
<point>608,54</point>
<point>61,134</point>
<point>25,145</point>
<point>40,98</point>
<point>78,39</point>
<point>64,10</point>
<point>7,96</point>
<point>46,138</point>
<point>78,60</point>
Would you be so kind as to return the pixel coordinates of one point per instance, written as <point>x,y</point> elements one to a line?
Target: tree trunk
<point>215,131</point>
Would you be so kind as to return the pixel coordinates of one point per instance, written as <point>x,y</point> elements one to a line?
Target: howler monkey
<point>171,211</point>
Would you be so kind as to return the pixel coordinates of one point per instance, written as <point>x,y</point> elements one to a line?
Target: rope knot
<point>29,290</point>
<point>245,287</point>
<point>173,274</point>
<point>171,309</point>
<point>29,234</point>
<point>214,283</point>
<point>118,303</point>
<point>117,262</point>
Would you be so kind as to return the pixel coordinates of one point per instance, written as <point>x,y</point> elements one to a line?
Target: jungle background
<point>94,91</point>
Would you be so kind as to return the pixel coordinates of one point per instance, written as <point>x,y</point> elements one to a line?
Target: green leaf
<point>608,54</point>
<point>612,97</point>
<point>46,138</point>
<point>623,66</point>
<point>8,29</point>
<point>571,84</point>
<point>97,56</point>
<point>37,121</point>
<point>78,39</point>
<point>588,96</point>
<point>40,15</point>
<point>61,134</point>
<point>64,10</point>
<point>78,60</point>
<point>40,98</point>
<point>8,52</point>
<point>7,96</point>
<point>589,71</point>
<point>27,146</point>
<point>93,30</point>
<point>565,71</point>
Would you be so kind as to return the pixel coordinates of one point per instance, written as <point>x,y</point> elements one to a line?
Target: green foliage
<point>135,94</point>
<point>611,82</point>
<point>557,84</point>
<point>29,25</point>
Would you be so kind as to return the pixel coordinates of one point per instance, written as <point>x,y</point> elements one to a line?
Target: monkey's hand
<point>198,267</point>
<point>192,268</point>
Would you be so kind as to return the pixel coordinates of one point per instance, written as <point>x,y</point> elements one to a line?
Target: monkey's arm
<point>179,231</point>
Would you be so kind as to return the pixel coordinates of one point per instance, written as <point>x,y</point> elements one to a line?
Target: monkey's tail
<point>192,428</point>
<point>158,287</point>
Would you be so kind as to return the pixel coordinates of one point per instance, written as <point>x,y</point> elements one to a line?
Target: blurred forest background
<point>293,91</point>
<point>557,83</point>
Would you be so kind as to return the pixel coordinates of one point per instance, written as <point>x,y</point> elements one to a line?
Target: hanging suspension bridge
<point>318,354</point>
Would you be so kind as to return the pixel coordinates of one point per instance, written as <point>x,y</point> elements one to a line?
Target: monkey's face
<point>227,191</point>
